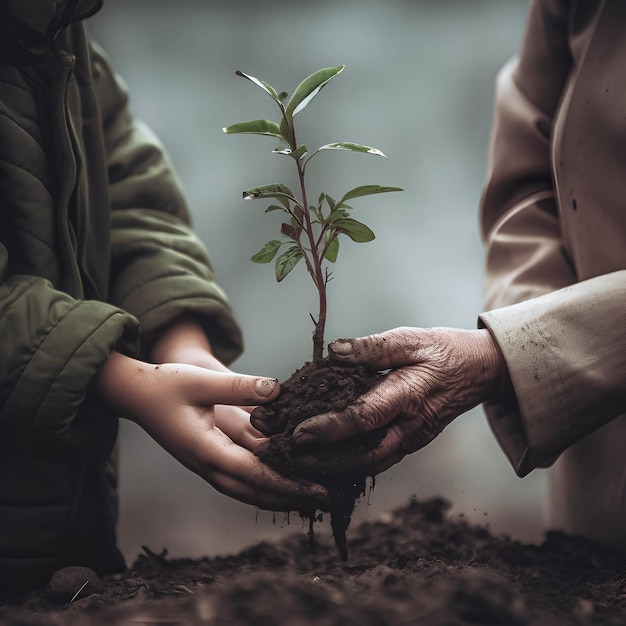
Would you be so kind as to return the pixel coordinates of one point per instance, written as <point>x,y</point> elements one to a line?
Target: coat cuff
<point>565,356</point>
<point>55,381</point>
<point>533,424</point>
<point>164,298</point>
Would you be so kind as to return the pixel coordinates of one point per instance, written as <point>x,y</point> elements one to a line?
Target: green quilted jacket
<point>96,253</point>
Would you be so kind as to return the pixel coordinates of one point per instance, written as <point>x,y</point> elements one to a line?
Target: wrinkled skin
<point>435,375</point>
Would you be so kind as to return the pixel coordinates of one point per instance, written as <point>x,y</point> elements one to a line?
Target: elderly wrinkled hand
<point>435,375</point>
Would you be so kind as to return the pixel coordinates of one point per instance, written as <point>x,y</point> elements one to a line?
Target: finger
<point>388,452</point>
<point>261,419</point>
<point>346,462</point>
<point>302,496</point>
<point>390,349</point>
<point>271,500</point>
<point>374,409</point>
<point>211,387</point>
<point>234,422</point>
<point>236,472</point>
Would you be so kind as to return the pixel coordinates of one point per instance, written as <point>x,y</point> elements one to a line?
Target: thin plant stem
<point>314,264</point>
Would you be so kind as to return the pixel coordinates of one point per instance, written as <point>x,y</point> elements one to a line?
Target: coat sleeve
<point>159,266</point>
<point>51,344</point>
<point>565,355</point>
<point>52,347</point>
<point>519,219</point>
<point>562,341</point>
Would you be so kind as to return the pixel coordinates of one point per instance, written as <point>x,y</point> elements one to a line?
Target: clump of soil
<point>415,565</point>
<point>320,387</point>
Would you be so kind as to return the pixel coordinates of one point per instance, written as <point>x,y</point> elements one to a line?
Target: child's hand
<point>175,404</point>
<point>185,341</point>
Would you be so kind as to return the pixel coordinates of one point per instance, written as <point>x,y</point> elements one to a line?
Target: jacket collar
<point>28,28</point>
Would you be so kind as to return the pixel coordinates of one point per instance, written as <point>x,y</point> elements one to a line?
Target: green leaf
<point>310,87</point>
<point>317,213</point>
<point>329,200</point>
<point>332,251</point>
<point>297,154</point>
<point>276,190</point>
<point>287,261</point>
<point>257,127</point>
<point>267,252</point>
<point>357,231</point>
<point>286,133</point>
<point>267,88</point>
<point>366,190</point>
<point>353,147</point>
<point>274,207</point>
<point>320,206</point>
<point>335,215</point>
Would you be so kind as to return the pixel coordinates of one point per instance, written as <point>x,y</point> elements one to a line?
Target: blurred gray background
<point>418,84</point>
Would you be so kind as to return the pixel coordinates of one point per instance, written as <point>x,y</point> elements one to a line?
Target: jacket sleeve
<point>53,346</point>
<point>159,266</point>
<point>562,342</point>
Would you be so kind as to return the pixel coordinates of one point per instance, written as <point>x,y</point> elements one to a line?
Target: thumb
<point>374,410</point>
<point>389,349</point>
<point>236,389</point>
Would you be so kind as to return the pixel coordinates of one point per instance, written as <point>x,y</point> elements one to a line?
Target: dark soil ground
<point>412,566</point>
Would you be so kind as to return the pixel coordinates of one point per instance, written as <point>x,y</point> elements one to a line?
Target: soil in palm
<point>321,387</point>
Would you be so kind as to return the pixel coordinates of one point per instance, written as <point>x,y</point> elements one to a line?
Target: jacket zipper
<point>68,176</point>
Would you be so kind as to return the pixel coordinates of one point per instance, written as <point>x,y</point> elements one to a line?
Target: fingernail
<point>265,386</point>
<point>341,348</point>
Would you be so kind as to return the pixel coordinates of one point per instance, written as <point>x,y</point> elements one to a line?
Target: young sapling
<point>310,232</point>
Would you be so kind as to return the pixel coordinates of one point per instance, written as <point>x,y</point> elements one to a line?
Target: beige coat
<point>554,223</point>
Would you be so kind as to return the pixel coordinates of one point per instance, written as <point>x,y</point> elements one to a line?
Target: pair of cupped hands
<point>199,410</point>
